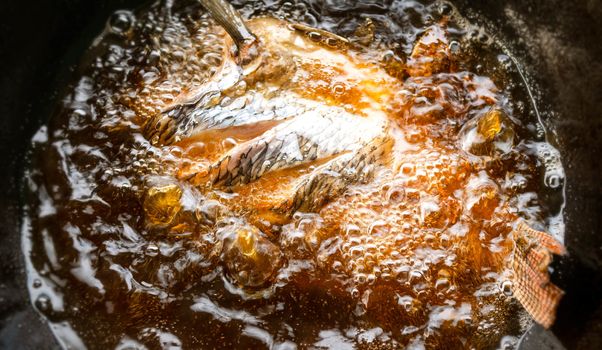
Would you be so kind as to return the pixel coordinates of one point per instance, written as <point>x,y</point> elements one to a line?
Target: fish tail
<point>532,287</point>
<point>332,178</point>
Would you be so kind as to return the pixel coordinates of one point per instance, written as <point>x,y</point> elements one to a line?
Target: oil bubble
<point>229,142</point>
<point>332,42</point>
<point>506,287</point>
<point>43,304</point>
<point>553,181</point>
<point>338,89</point>
<point>508,342</point>
<point>286,7</point>
<point>442,283</point>
<point>360,278</point>
<point>121,22</point>
<point>454,47</point>
<point>310,20</point>
<point>445,8</point>
<point>152,250</point>
<point>315,36</point>
<point>406,302</point>
<point>505,61</point>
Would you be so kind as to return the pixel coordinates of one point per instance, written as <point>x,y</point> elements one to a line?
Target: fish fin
<point>532,287</point>
<point>324,183</point>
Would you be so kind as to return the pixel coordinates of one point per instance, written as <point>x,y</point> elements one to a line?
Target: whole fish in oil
<point>300,165</point>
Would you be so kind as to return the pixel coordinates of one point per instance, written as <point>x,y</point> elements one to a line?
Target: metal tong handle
<point>231,20</point>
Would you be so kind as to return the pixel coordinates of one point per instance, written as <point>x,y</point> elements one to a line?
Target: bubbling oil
<point>122,254</point>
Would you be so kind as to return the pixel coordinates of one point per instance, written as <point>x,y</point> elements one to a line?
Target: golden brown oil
<point>121,254</point>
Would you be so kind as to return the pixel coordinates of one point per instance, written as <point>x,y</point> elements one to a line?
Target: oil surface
<point>125,252</point>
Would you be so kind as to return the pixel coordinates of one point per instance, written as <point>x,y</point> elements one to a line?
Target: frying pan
<point>558,44</point>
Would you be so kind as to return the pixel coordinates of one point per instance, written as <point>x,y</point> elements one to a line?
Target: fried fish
<point>392,186</point>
